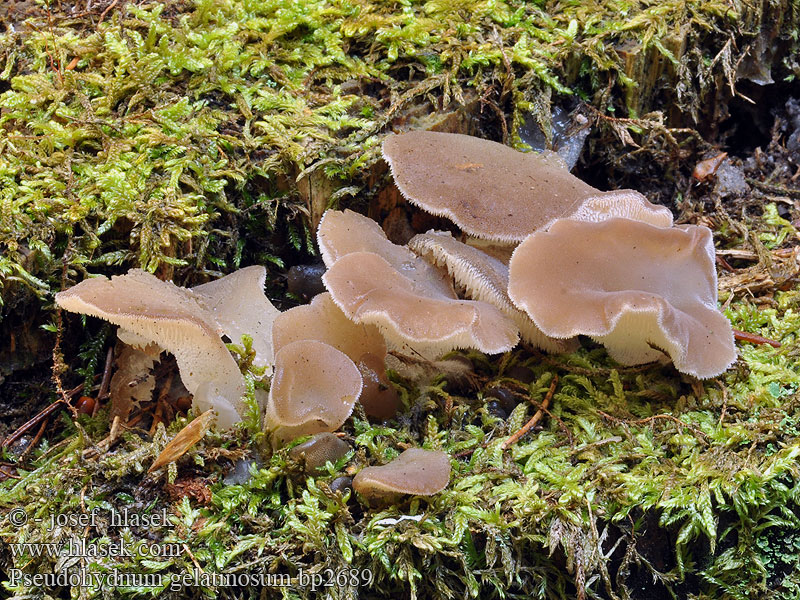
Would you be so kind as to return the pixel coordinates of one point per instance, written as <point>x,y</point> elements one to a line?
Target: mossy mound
<point>160,136</point>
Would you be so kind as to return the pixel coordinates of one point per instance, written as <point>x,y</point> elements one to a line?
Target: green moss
<point>630,457</point>
<point>139,142</point>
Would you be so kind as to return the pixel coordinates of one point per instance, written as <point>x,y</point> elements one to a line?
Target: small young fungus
<point>416,471</point>
<point>313,389</point>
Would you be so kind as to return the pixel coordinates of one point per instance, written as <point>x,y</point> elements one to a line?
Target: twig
<point>535,418</point>
<point>37,438</point>
<point>724,406</point>
<point>105,12</point>
<point>773,189</point>
<point>653,418</point>
<point>724,264</point>
<point>745,336</point>
<point>8,474</point>
<point>41,415</point>
<point>104,383</point>
<point>194,560</point>
<point>158,414</point>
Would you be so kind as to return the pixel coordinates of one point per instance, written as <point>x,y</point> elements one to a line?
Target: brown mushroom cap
<point>240,307</point>
<point>415,471</point>
<point>344,232</point>
<point>323,321</point>
<point>484,278</point>
<point>638,289</point>
<point>313,389</point>
<point>415,313</point>
<point>319,450</point>
<point>378,396</point>
<point>492,191</point>
<point>413,303</point>
<point>158,311</point>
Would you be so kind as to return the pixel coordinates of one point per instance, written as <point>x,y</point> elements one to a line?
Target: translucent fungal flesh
<point>415,471</point>
<point>483,278</point>
<point>492,191</point>
<point>323,321</point>
<point>240,307</point>
<point>412,302</point>
<point>313,390</point>
<point>640,290</point>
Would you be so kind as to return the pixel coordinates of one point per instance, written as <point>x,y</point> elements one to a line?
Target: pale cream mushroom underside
<point>492,191</point>
<point>412,302</point>
<point>415,471</point>
<point>369,290</point>
<point>313,390</point>
<point>323,321</point>
<point>158,311</point>
<point>483,278</point>
<point>639,290</point>
<point>240,307</point>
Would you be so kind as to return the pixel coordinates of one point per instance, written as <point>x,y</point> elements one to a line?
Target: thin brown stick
<point>744,336</point>
<point>8,474</point>
<point>41,415</point>
<point>161,403</point>
<point>104,383</point>
<point>724,264</point>
<point>535,418</point>
<point>651,419</point>
<point>105,12</point>
<point>37,438</point>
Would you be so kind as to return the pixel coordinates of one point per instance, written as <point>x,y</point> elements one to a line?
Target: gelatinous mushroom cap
<point>492,191</point>
<point>415,471</point>
<point>378,397</point>
<point>313,389</point>
<point>158,311</point>
<point>319,450</point>
<point>412,302</point>
<point>640,290</point>
<point>344,232</point>
<point>240,306</point>
<point>341,232</point>
<point>483,278</point>
<point>415,313</point>
<point>323,321</point>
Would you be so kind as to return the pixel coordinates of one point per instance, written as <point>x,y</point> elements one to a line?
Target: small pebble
<point>521,374</point>
<point>305,281</point>
<point>240,473</point>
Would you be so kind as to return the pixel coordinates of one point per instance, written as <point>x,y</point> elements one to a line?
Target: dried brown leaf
<point>186,438</point>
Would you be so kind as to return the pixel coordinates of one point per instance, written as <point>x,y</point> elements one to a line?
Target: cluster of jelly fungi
<point>608,265</point>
